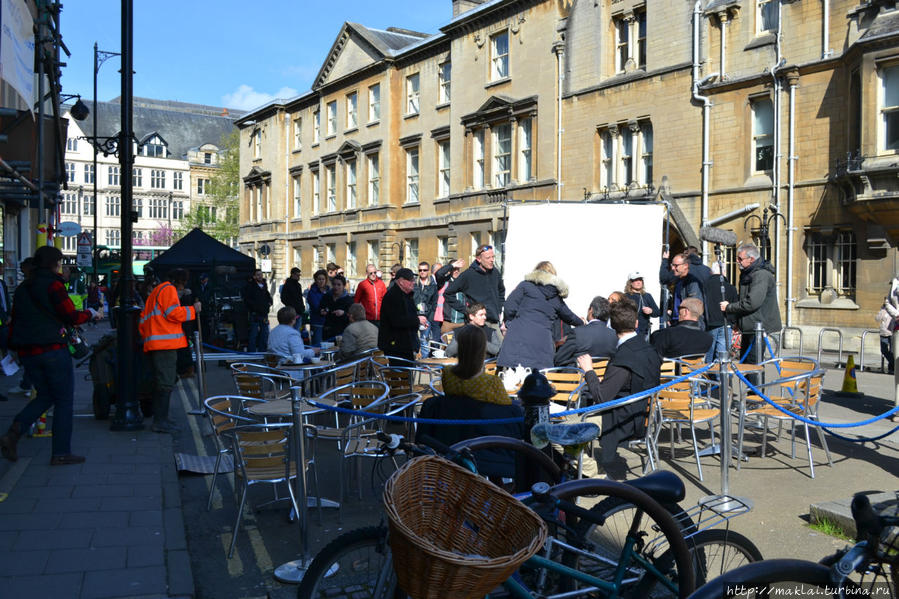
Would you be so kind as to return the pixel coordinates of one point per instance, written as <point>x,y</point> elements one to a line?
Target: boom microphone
<point>716,235</point>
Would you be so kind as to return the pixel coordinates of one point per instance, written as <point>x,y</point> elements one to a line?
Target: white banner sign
<point>592,246</point>
<point>17,48</point>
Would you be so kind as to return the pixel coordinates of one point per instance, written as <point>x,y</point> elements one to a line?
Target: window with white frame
<point>443,168</point>
<point>316,192</point>
<point>412,175</point>
<point>502,155</point>
<point>257,143</point>
<point>331,252</point>
<point>298,257</point>
<point>178,211</point>
<point>625,155</point>
<point>72,144</point>
<point>499,56</point>
<point>113,205</point>
<point>316,258</point>
<point>137,177</point>
<point>350,179</point>
<point>139,207</point>
<point>474,239</point>
<point>70,244</point>
<point>159,208</point>
<point>413,94</point>
<point>89,173</point>
<point>478,157</point>
<point>525,142</point>
<point>114,237</point>
<point>207,157</point>
<point>202,185</point>
<point>69,204</point>
<point>178,180</point>
<point>89,205</point>
<point>137,237</point>
<point>298,133</point>
<point>350,267</point>
<point>630,40</point>
<point>442,248</point>
<point>157,178</point>
<point>70,172</point>
<point>762,135</point>
<point>332,117</point>
<point>766,15</point>
<point>373,251</point>
<point>444,79</point>
<point>112,175</point>
<point>155,147</point>
<point>316,126</point>
<point>832,261</point>
<point>374,103</point>
<point>331,188</point>
<point>352,116</point>
<point>889,108</point>
<point>410,253</point>
<point>297,196</point>
<point>374,179</point>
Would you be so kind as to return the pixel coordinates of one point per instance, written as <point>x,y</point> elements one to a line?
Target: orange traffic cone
<point>42,430</point>
<point>850,384</point>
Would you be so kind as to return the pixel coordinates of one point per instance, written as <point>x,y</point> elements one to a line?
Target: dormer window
<point>155,147</point>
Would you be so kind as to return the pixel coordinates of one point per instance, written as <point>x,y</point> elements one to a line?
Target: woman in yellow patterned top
<point>468,377</point>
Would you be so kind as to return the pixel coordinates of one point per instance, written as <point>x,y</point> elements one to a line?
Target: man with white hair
<point>757,302</point>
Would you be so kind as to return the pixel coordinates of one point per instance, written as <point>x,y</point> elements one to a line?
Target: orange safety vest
<point>161,318</point>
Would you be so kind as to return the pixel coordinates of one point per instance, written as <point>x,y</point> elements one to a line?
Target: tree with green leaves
<point>218,216</point>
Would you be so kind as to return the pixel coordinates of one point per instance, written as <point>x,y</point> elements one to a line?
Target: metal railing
<point>861,349</point>
<point>783,335</point>
<point>821,339</point>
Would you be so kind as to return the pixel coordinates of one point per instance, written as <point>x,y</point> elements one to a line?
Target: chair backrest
<point>262,385</point>
<point>566,380</point>
<point>403,380</point>
<point>490,367</point>
<point>360,394</point>
<point>447,337</point>
<point>223,412</point>
<point>600,363</point>
<point>272,359</point>
<point>262,451</point>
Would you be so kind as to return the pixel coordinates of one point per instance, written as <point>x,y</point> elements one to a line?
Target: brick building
<point>408,144</point>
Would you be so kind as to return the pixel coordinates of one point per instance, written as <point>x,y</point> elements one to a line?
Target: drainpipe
<point>706,111</point>
<point>722,17</point>
<point>793,79</point>
<point>559,49</point>
<point>776,167</point>
<point>826,52</point>
<point>287,188</point>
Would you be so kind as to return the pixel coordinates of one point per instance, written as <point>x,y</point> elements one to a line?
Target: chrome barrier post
<point>724,375</point>
<point>199,365</point>
<point>292,572</point>
<point>896,368</point>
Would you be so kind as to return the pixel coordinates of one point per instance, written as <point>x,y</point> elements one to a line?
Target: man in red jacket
<point>370,294</point>
<point>160,326</point>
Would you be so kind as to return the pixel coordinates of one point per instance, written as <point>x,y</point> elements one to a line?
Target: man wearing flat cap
<point>400,321</point>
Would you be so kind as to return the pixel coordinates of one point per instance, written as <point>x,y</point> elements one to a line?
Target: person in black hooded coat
<point>530,311</point>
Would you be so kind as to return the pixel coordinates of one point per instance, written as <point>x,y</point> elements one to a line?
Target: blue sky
<point>224,52</point>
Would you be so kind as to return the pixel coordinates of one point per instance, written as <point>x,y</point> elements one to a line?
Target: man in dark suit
<point>594,338</point>
<point>687,337</point>
<point>400,321</point>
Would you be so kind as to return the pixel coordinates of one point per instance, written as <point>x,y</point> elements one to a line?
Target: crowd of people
<point>464,312</point>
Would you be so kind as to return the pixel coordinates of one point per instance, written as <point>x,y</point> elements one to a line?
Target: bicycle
<point>870,568</point>
<point>360,560</point>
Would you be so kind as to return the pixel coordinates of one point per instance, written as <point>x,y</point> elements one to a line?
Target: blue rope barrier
<point>860,439</point>
<point>824,425</point>
<point>231,351</point>
<point>602,406</point>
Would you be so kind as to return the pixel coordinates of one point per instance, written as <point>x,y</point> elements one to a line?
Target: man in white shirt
<point>285,340</point>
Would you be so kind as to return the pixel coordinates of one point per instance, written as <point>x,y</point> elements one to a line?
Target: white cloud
<point>247,98</point>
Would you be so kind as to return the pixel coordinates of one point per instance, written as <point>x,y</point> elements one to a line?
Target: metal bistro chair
<point>262,455</point>
<point>800,396</point>
<point>567,380</point>
<point>223,415</point>
<point>405,383</point>
<point>686,407</point>
<point>261,385</point>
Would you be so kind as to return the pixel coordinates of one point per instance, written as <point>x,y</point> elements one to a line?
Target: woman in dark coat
<point>646,305</point>
<point>333,308</point>
<point>530,311</point>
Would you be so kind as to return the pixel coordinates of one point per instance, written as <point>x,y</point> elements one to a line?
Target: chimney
<point>461,6</point>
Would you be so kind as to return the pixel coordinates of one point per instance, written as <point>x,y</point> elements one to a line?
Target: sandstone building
<point>409,144</point>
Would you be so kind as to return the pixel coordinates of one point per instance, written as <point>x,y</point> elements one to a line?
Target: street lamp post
<point>100,56</point>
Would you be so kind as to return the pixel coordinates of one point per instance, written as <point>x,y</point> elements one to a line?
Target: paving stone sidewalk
<point>111,527</point>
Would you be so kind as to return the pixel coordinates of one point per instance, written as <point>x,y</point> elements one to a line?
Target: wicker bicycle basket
<point>453,534</point>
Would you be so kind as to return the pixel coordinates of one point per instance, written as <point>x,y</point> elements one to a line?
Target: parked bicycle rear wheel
<point>355,564</point>
<point>771,578</point>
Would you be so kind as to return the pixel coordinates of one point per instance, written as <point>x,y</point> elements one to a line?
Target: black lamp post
<point>100,56</point>
<point>765,224</point>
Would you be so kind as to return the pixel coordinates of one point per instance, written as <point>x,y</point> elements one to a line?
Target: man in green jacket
<point>758,300</point>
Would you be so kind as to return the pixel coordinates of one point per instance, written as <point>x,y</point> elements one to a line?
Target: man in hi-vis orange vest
<point>160,327</point>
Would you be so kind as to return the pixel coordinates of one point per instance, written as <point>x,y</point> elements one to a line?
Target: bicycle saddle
<point>661,485</point>
<point>566,435</point>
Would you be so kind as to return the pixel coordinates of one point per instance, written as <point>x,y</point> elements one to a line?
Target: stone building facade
<point>733,112</point>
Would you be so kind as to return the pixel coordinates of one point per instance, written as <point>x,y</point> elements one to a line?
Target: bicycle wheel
<point>771,578</point>
<point>716,551</point>
<point>357,564</point>
<point>534,457</point>
<point>608,539</point>
<point>651,527</point>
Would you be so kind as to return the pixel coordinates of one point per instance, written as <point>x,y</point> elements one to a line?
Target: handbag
<point>78,347</point>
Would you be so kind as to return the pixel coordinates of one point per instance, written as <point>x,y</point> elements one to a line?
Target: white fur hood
<point>540,277</point>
